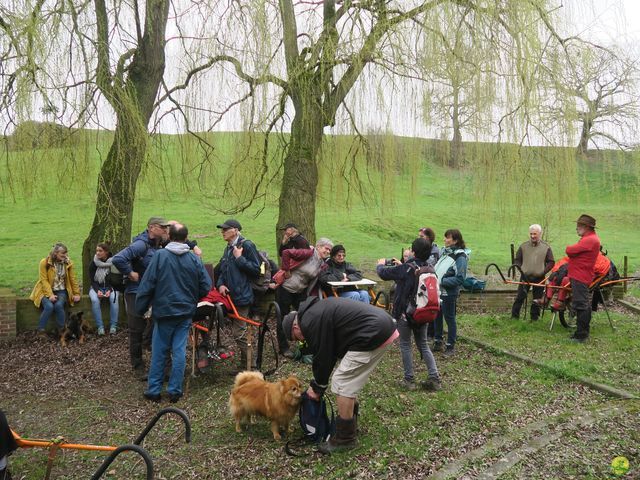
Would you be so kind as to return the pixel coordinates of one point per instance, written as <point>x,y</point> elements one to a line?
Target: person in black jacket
<point>338,328</point>
<point>406,282</point>
<point>7,446</point>
<point>338,270</point>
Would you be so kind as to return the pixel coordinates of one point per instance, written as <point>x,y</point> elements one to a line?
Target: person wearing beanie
<point>582,260</point>
<point>358,334</point>
<point>405,278</point>
<point>338,270</point>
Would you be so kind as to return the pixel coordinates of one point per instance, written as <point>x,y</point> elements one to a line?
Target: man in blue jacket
<point>132,262</point>
<point>239,264</point>
<point>173,283</point>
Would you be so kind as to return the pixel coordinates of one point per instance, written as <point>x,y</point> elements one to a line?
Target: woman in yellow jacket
<point>56,285</point>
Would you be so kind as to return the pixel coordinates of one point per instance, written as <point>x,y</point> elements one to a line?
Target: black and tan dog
<point>75,326</point>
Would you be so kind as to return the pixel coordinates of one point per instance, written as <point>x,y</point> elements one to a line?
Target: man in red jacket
<point>582,259</point>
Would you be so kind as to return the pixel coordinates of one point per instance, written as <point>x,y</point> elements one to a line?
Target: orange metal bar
<point>33,443</point>
<point>237,316</point>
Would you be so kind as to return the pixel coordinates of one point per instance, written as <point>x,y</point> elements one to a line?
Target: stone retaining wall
<point>19,314</point>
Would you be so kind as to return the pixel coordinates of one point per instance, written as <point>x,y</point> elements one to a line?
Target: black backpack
<point>317,426</point>
<point>116,279</point>
<point>260,283</point>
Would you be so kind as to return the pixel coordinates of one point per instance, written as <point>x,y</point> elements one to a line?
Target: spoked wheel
<point>267,359</point>
<point>568,318</point>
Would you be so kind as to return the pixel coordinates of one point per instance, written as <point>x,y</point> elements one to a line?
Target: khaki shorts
<point>354,370</point>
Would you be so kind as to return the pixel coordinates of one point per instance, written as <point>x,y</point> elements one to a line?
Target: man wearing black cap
<point>132,261</point>
<point>239,263</point>
<point>339,328</point>
<point>582,259</point>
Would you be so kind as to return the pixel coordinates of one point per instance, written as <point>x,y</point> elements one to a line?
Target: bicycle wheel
<point>267,360</point>
<point>568,318</point>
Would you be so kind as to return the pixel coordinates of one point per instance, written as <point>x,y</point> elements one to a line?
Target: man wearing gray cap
<point>132,261</point>
<point>240,263</point>
<point>355,333</point>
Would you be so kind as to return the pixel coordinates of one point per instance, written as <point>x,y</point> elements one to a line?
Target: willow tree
<point>461,80</point>
<point>319,51</point>
<point>596,88</point>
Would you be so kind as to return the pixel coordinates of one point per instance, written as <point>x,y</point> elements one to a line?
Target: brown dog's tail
<point>244,377</point>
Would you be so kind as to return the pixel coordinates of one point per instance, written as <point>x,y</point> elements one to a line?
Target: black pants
<point>287,301</point>
<point>137,329</point>
<point>523,291</point>
<point>581,304</point>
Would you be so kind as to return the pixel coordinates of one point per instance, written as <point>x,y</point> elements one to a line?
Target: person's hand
<point>396,261</point>
<point>134,276</point>
<point>382,261</point>
<point>237,251</point>
<point>53,298</point>
<point>313,395</point>
<point>345,278</point>
<point>223,290</point>
<point>76,298</point>
<point>197,251</point>
<point>285,238</point>
<point>273,286</point>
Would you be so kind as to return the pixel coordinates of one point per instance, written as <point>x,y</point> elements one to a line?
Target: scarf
<point>103,269</point>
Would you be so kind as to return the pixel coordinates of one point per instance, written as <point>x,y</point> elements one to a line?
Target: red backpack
<point>424,304</point>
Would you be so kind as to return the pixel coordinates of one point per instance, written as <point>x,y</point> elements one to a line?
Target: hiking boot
<point>449,351</point>
<point>575,339</point>
<point>287,353</point>
<point>431,384</point>
<point>438,346</point>
<point>174,397</point>
<point>140,373</point>
<point>344,438</point>
<point>152,397</point>
<point>408,384</point>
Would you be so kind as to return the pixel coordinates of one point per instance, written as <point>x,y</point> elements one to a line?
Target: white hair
<point>324,241</point>
<point>535,226</point>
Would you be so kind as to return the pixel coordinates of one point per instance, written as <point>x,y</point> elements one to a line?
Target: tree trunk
<point>585,134</point>
<point>133,103</point>
<point>455,155</point>
<point>297,201</point>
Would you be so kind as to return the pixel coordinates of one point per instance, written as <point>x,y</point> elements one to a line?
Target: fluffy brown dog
<point>75,326</point>
<point>252,395</point>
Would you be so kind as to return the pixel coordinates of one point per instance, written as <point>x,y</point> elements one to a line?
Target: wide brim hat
<point>586,220</point>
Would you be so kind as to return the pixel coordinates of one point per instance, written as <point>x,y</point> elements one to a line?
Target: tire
<point>568,318</point>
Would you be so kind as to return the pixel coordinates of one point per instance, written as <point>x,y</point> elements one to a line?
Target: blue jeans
<point>114,308</point>
<point>448,311</point>
<point>420,335</point>
<point>48,307</point>
<point>358,295</point>
<point>169,336</point>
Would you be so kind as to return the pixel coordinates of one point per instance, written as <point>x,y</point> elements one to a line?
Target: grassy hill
<point>48,194</point>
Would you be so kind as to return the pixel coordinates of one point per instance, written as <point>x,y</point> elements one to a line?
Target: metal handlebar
<point>124,448</point>
<point>181,413</point>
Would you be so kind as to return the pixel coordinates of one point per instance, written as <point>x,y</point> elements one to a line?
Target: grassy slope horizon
<point>51,197</point>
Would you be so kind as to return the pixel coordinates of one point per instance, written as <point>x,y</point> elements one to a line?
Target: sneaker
<point>408,384</point>
<point>575,339</point>
<point>152,397</point>
<point>431,384</point>
<point>438,346</point>
<point>112,331</point>
<point>449,351</point>
<point>541,302</point>
<point>101,331</point>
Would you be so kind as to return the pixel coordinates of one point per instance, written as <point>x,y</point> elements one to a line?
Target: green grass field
<point>49,196</point>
